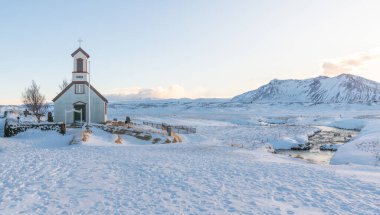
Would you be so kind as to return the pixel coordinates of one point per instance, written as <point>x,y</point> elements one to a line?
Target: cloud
<point>348,64</point>
<point>137,93</point>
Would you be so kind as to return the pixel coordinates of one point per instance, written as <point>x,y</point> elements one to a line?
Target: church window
<point>79,88</point>
<point>79,65</point>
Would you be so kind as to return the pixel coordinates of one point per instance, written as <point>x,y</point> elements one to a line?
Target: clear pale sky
<point>178,48</point>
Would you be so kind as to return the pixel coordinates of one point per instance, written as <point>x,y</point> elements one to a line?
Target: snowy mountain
<point>339,89</point>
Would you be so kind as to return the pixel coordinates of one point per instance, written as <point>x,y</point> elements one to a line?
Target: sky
<point>193,49</point>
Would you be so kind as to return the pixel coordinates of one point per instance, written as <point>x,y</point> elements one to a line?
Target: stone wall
<point>12,127</point>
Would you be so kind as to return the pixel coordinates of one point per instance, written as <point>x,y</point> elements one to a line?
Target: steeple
<point>80,58</point>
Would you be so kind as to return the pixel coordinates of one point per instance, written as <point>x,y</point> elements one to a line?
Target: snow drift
<point>364,150</point>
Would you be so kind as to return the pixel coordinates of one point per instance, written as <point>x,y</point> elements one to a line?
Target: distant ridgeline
<point>340,89</point>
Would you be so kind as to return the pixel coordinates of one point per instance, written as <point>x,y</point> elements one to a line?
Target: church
<point>74,99</point>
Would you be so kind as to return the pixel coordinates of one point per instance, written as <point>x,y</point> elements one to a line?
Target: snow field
<point>170,179</point>
<point>41,174</point>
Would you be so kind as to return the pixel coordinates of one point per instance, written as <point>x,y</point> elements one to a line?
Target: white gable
<point>70,97</point>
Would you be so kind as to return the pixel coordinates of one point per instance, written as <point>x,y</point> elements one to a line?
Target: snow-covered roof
<point>80,82</point>
<point>80,50</point>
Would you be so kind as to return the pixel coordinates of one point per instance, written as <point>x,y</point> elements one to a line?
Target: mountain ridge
<point>344,88</point>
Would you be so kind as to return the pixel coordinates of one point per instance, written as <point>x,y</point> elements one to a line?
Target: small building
<point>75,96</point>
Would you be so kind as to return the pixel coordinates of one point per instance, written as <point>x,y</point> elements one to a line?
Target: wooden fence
<point>179,129</point>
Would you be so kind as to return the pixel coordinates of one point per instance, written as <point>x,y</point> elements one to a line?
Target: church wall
<point>67,100</point>
<point>80,77</point>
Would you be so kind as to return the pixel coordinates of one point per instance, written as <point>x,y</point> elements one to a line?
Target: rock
<point>301,147</point>
<point>329,147</point>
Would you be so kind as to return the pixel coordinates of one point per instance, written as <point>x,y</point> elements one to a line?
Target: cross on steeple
<point>80,41</point>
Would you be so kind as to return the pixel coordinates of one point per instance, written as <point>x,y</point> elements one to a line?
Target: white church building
<point>75,96</point>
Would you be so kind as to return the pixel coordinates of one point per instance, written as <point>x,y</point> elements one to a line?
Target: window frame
<point>79,89</point>
<point>80,62</point>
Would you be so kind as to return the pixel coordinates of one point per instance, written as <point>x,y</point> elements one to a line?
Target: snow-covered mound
<point>342,88</point>
<point>364,150</point>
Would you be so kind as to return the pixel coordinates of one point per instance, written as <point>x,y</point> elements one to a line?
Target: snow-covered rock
<point>350,124</point>
<point>342,88</point>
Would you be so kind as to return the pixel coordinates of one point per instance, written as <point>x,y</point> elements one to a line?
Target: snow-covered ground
<point>365,149</point>
<point>223,169</point>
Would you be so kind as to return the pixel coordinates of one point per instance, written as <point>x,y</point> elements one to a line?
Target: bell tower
<point>80,58</point>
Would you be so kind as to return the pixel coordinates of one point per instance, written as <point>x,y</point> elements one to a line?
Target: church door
<point>80,107</point>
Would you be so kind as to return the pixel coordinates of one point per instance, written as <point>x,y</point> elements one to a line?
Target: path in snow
<point>194,178</point>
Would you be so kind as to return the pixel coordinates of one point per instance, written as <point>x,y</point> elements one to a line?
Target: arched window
<point>79,65</point>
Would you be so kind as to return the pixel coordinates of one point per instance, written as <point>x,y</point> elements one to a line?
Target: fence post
<point>169,130</point>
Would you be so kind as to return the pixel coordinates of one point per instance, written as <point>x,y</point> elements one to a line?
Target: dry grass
<point>298,156</point>
<point>85,135</point>
<point>177,138</point>
<point>118,140</point>
<point>146,137</point>
<point>119,123</point>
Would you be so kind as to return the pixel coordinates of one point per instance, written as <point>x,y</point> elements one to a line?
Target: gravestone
<point>50,117</point>
<point>127,120</point>
<point>26,112</point>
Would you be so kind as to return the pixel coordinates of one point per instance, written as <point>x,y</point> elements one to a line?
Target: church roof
<point>80,50</point>
<point>80,82</point>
